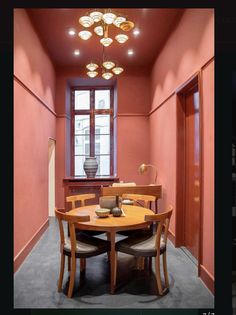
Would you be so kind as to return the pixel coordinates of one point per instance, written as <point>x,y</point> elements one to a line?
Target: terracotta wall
<point>133,99</point>
<point>34,123</point>
<point>187,50</point>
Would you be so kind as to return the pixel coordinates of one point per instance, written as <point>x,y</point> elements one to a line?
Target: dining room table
<point>132,218</point>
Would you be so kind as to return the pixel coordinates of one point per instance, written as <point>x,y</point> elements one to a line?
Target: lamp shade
<point>144,167</point>
<point>85,35</point>
<point>86,21</point>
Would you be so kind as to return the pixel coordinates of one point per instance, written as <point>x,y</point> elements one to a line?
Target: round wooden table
<point>133,219</point>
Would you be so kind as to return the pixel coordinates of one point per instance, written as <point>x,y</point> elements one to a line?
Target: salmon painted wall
<point>34,123</point>
<point>133,105</point>
<point>187,50</point>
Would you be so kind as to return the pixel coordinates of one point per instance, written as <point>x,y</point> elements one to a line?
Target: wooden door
<point>192,172</point>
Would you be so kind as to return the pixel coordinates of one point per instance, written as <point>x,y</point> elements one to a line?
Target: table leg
<point>113,261</point>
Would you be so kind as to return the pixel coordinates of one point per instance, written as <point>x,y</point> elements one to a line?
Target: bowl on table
<point>108,202</point>
<point>127,202</point>
<point>102,212</point>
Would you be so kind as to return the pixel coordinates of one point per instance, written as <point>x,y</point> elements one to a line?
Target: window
<point>92,129</point>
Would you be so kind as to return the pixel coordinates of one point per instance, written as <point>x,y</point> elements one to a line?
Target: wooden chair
<point>150,190</point>
<point>151,246</point>
<point>145,202</point>
<point>83,247</point>
<point>73,199</point>
<point>82,198</point>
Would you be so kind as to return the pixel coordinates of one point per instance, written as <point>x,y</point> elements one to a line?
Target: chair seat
<point>87,246</point>
<point>140,245</point>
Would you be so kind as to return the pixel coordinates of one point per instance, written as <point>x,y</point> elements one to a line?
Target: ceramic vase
<point>90,166</point>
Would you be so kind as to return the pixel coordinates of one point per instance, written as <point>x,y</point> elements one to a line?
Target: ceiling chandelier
<point>107,67</point>
<point>101,22</point>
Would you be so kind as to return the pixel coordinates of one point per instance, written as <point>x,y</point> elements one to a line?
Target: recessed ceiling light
<point>130,52</point>
<point>71,32</point>
<point>77,52</point>
<point>136,32</point>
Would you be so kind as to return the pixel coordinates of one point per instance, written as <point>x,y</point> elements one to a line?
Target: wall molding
<point>20,257</point>
<point>179,87</point>
<point>63,116</point>
<point>207,278</point>
<point>34,95</point>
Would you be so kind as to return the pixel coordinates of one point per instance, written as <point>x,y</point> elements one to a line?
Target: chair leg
<point>82,264</point>
<point>165,270</point>
<point>142,261</point>
<point>72,276</point>
<point>149,263</point>
<point>69,263</point>
<point>115,269</point>
<point>158,275</point>
<point>61,272</point>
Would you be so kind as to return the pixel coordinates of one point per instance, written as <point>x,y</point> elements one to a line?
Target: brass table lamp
<point>144,167</point>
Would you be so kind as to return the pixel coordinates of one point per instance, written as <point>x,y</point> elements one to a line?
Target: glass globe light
<point>108,64</point>
<point>107,75</point>
<point>96,16</point>
<point>86,21</point>
<point>106,41</point>
<point>119,20</point>
<point>109,18</point>
<point>85,35</point>
<point>121,38</point>
<point>92,66</point>
<point>98,30</point>
<point>92,74</point>
<point>117,70</point>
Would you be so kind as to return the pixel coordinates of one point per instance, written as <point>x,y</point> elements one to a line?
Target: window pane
<point>82,124</point>
<point>82,99</point>
<point>102,124</point>
<point>82,145</point>
<point>102,99</point>
<point>103,164</point>
<point>97,148</point>
<point>102,146</point>
<point>79,163</point>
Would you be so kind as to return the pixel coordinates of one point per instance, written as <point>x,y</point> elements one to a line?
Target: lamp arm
<point>153,166</point>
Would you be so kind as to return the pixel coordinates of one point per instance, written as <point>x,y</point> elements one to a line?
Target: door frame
<point>180,162</point>
<point>53,143</point>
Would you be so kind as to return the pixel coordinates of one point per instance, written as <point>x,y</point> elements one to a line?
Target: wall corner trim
<point>207,278</point>
<point>20,257</point>
<point>171,237</point>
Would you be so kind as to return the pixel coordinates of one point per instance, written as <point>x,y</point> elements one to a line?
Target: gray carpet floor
<point>35,283</point>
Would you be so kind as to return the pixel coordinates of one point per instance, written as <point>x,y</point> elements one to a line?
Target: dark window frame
<point>92,112</point>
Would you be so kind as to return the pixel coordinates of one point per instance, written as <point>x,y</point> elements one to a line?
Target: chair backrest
<point>147,199</point>
<point>123,184</point>
<point>163,220</point>
<point>80,198</point>
<point>154,190</point>
<point>72,220</point>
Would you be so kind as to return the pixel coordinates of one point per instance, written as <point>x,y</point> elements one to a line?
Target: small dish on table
<point>102,212</point>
